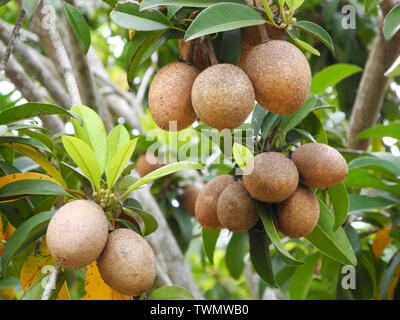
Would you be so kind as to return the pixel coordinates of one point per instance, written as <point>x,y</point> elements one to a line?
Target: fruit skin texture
<point>236,209</point>
<point>271,177</point>
<point>206,204</point>
<point>298,215</point>
<point>170,96</point>
<point>128,263</point>
<point>199,59</point>
<point>223,96</point>
<point>280,74</point>
<point>147,163</point>
<point>319,165</point>
<point>188,199</point>
<point>77,234</point>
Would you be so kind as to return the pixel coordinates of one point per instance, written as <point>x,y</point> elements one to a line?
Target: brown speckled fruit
<point>298,215</point>
<point>187,199</point>
<point>128,263</point>
<point>147,163</point>
<point>271,177</point>
<point>170,96</point>
<point>199,59</point>
<point>206,204</point>
<point>77,234</point>
<point>223,96</point>
<point>236,209</point>
<point>319,165</point>
<point>280,74</point>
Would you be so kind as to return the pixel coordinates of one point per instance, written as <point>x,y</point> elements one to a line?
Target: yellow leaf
<point>8,294</point>
<point>97,289</point>
<point>381,241</point>
<point>1,236</point>
<point>393,284</point>
<point>131,34</point>
<point>8,233</point>
<point>39,159</point>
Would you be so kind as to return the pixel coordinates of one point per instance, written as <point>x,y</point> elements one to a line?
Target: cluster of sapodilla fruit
<point>278,76</point>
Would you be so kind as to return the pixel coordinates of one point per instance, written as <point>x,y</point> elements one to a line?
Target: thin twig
<point>11,42</point>
<point>209,48</point>
<point>51,284</point>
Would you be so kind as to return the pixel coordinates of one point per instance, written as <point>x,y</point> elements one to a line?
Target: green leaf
<point>340,202</point>
<point>306,46</point>
<point>43,138</point>
<point>210,238</point>
<point>375,163</point>
<point>117,137</point>
<point>241,154</point>
<point>33,109</point>
<point>268,11</point>
<point>119,161</point>
<point>260,256</point>
<point>317,31</point>
<point>354,239</point>
<point>92,132</point>
<point>360,203</point>
<point>79,26</point>
<point>237,247</point>
<point>30,7</point>
<point>269,123</point>
<point>332,75</point>
<point>230,47</point>
<point>380,131</point>
<point>330,273</point>
<point>302,278</point>
<point>291,121</point>
<point>294,4</point>
<point>150,224</point>
<point>23,188</point>
<point>266,215</point>
<point>394,70</point>
<point>313,125</point>
<point>170,293</point>
<point>392,23</point>
<point>83,156</point>
<point>128,16</point>
<point>128,224</point>
<point>36,291</point>
<point>259,113</point>
<point>24,141</point>
<point>161,172</point>
<point>334,244</point>
<point>26,233</point>
<point>222,17</point>
<point>147,4</point>
<point>388,275</point>
<point>370,5</point>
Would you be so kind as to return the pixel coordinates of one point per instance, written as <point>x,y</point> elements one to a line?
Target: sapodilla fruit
<point>206,203</point>
<point>187,199</point>
<point>280,74</point>
<point>319,165</point>
<point>170,96</point>
<point>298,215</point>
<point>128,263</point>
<point>77,234</point>
<point>223,96</point>
<point>199,59</point>
<point>270,177</point>
<point>147,163</point>
<point>236,209</point>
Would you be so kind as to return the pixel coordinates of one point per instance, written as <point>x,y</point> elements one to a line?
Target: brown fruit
<point>206,204</point>
<point>223,96</point>
<point>236,209</point>
<point>298,215</point>
<point>128,263</point>
<point>280,74</point>
<point>188,199</point>
<point>147,163</point>
<point>199,59</point>
<point>77,234</point>
<point>319,165</point>
<point>170,96</point>
<point>271,177</point>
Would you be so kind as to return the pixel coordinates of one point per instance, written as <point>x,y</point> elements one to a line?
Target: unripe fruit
<point>223,96</point>
<point>206,204</point>
<point>170,96</point>
<point>280,74</point>
<point>128,263</point>
<point>319,165</point>
<point>147,163</point>
<point>199,59</point>
<point>236,209</point>
<point>298,215</point>
<point>188,199</point>
<point>271,177</point>
<point>77,234</point>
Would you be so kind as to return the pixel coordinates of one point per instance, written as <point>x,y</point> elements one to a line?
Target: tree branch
<point>51,284</point>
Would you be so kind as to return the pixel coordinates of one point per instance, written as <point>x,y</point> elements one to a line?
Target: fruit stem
<point>209,48</point>
<point>263,33</point>
<point>76,192</point>
<point>191,52</point>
